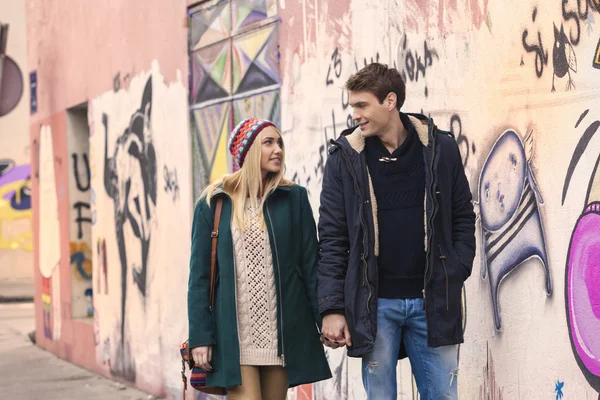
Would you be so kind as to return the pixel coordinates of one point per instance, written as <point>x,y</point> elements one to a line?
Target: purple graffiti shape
<point>14,174</point>
<point>582,295</point>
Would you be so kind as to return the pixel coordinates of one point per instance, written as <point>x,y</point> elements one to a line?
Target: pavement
<point>30,373</point>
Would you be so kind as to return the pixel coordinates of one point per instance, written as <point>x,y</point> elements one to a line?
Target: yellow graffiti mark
<point>9,215</point>
<point>597,58</point>
<point>81,260</point>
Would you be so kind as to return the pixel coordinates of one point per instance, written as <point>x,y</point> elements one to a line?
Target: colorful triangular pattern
<point>264,105</point>
<point>210,24</point>
<point>210,121</point>
<point>219,160</point>
<point>216,83</point>
<point>245,13</point>
<point>255,60</point>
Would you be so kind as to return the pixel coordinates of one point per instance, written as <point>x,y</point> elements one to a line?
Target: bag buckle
<point>214,234</point>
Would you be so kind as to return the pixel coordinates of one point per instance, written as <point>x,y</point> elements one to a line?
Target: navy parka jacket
<point>348,237</point>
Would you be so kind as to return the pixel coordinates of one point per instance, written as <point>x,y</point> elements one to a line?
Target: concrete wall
<point>486,70</point>
<point>16,242</point>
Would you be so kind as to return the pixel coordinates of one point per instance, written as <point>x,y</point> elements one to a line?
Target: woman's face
<point>271,151</point>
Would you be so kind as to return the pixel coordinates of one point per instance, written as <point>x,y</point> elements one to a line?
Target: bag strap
<point>213,253</point>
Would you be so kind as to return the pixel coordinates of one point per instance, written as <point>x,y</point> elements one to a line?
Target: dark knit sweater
<point>399,189</point>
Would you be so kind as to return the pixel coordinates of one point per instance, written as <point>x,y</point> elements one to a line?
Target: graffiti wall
<point>80,216</point>
<point>139,206</point>
<point>15,206</point>
<point>516,83</point>
<point>16,230</point>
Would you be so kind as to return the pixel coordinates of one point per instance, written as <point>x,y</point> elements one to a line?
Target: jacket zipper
<point>429,219</point>
<point>280,292</point>
<point>363,224</point>
<point>443,258</point>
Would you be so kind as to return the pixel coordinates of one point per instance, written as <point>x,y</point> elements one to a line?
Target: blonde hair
<point>246,183</point>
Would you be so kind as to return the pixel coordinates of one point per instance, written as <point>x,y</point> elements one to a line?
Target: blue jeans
<point>435,369</point>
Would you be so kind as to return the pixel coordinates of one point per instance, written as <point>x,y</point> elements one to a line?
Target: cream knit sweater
<point>255,292</point>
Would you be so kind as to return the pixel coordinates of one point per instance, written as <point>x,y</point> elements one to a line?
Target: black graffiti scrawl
<point>563,57</point>
<point>130,180</point>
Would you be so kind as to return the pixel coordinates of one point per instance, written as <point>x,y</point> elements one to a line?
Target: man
<point>397,241</point>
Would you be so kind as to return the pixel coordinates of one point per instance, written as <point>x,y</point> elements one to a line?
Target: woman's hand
<point>202,356</point>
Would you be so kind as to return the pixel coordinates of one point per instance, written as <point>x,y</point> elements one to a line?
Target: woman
<point>262,335</point>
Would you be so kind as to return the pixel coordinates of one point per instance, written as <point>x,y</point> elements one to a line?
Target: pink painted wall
<point>79,50</point>
<point>76,341</point>
<point>79,47</point>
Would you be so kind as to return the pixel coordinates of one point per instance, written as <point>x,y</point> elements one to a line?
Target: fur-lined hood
<point>357,141</point>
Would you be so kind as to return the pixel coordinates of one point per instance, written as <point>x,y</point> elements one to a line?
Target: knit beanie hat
<point>243,136</point>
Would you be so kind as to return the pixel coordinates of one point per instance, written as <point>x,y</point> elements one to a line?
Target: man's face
<point>369,114</point>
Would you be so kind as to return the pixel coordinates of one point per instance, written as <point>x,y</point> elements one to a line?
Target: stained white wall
<point>471,65</point>
<point>141,224</point>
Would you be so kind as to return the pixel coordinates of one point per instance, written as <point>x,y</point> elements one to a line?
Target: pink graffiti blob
<point>583,292</point>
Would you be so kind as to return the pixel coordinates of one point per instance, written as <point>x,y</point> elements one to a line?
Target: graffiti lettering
<point>541,55</point>
<point>171,185</point>
<point>461,140</point>
<point>577,17</point>
<point>336,63</point>
<point>86,163</point>
<point>366,62</point>
<point>81,219</point>
<point>563,54</point>
<point>414,63</point>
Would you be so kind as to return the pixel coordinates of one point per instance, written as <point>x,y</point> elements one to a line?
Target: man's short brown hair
<point>380,80</point>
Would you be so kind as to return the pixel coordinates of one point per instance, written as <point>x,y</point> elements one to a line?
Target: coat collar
<point>420,122</point>
<point>221,190</point>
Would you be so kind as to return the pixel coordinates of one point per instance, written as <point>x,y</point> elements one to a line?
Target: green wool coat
<point>294,247</point>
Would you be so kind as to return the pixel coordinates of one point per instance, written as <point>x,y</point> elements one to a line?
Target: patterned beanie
<point>243,136</point>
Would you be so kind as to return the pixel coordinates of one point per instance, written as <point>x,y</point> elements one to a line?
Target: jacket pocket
<point>463,271</point>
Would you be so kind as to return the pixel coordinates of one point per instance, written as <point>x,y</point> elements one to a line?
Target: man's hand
<point>202,356</point>
<point>334,332</point>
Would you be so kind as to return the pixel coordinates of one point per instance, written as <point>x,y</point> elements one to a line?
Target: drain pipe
<point>3,39</point>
